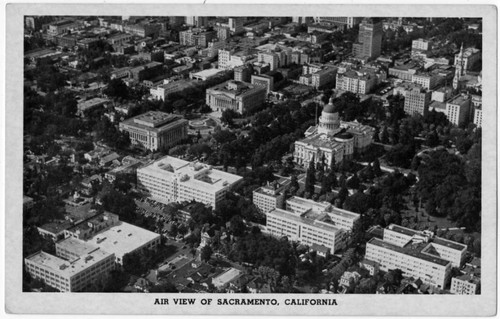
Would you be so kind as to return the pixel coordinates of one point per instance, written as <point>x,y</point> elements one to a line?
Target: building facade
<point>155,130</point>
<point>369,44</point>
<point>270,196</point>
<point>458,109</point>
<point>170,179</point>
<point>417,253</point>
<point>234,95</point>
<point>417,101</point>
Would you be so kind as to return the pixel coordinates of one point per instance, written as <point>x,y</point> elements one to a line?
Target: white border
<point>409,305</point>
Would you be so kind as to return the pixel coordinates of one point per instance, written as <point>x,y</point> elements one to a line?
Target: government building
<point>332,138</point>
<point>170,179</point>
<point>155,130</point>
<point>417,253</point>
<point>235,95</point>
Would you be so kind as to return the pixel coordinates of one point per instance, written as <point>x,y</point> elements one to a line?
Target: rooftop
<point>459,99</point>
<point>66,268</point>
<point>154,121</point>
<point>409,251</point>
<point>56,227</point>
<point>194,174</point>
<point>311,221</point>
<point>122,238</point>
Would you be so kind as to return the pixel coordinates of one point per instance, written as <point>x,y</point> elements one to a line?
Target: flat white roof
<point>227,276</point>
<point>207,73</point>
<point>123,238</point>
<point>66,268</point>
<point>192,174</point>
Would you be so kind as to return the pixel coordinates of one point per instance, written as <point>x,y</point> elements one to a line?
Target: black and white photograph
<point>314,159</point>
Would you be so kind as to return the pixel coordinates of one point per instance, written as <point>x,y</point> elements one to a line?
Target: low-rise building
<point>155,130</point>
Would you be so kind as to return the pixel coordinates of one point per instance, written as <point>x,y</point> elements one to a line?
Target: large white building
<point>170,179</point>
<point>458,109</point>
<point>271,196</point>
<point>309,228</point>
<point>228,60</point>
<point>108,233</point>
<point>356,81</point>
<point>75,268</point>
<point>155,130</point>
<point>477,104</point>
<point>332,138</point>
<point>417,254</point>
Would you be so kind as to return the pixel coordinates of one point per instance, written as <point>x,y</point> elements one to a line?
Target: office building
<point>420,47</point>
<point>270,196</point>
<point>417,253</point>
<point>243,73</point>
<point>417,101</point>
<point>332,138</point>
<point>196,37</point>
<point>369,44</point>
<point>469,282</point>
<point>155,130</point>
<point>228,60</point>
<point>458,109</point>
<point>111,235</point>
<point>467,58</point>
<point>308,228</point>
<point>356,81</point>
<point>75,268</point>
<point>170,179</point>
<point>198,22</point>
<point>477,105</point>
<point>234,95</point>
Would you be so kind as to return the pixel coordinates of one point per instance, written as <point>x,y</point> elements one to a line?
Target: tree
<point>227,117</point>
<point>310,178</point>
<point>294,184</point>
<point>206,253</point>
<point>353,182</point>
<point>117,89</point>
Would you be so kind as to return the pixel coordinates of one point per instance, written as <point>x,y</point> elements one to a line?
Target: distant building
<point>161,91</point>
<point>196,21</point>
<point>404,70</point>
<point>469,282</point>
<point>477,104</point>
<point>87,105</point>
<point>143,30</point>
<point>145,72</point>
<point>302,20</point>
<point>61,27</point>
<point>467,58</point>
<point>243,73</point>
<point>263,80</point>
<point>196,37</point>
<point>228,60</point>
<point>420,47</point>
<point>458,109</point>
<point>332,139</point>
<point>418,254</point>
<point>224,279</point>
<point>237,96</point>
<point>356,81</point>
<point>369,44</point>
<point>343,22</point>
<point>155,130</point>
<point>417,101</point>
<point>170,179</point>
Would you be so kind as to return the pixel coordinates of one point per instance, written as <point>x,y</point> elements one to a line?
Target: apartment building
<point>76,266</point>
<point>170,179</point>
<point>234,95</point>
<point>270,196</point>
<point>155,130</point>
<point>417,253</point>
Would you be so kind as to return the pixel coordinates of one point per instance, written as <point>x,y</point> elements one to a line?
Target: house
<point>108,159</point>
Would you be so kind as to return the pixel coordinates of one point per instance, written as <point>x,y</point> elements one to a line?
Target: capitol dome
<point>330,108</point>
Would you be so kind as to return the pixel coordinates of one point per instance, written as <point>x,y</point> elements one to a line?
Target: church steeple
<point>459,68</point>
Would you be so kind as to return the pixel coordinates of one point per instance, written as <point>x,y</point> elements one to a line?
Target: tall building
<point>197,21</point>
<point>477,104</point>
<point>467,58</point>
<point>417,253</point>
<point>197,37</point>
<point>243,73</point>
<point>234,95</point>
<point>170,179</point>
<point>369,43</point>
<point>332,139</point>
<point>417,101</point>
<point>458,109</point>
<point>155,130</point>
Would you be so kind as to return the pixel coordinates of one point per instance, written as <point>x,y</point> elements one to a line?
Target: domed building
<point>332,138</point>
